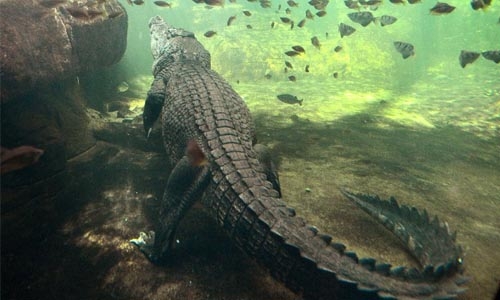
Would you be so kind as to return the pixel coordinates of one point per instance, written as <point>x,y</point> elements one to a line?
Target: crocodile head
<point>170,45</point>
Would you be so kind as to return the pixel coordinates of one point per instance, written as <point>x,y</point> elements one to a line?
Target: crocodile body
<point>209,137</point>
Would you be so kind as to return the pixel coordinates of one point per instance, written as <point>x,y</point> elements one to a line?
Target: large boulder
<point>43,41</point>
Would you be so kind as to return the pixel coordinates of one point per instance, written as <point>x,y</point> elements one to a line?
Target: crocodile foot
<point>145,242</point>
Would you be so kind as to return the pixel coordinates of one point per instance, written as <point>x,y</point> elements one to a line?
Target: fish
<point>477,4</point>
<point>288,64</point>
<point>247,13</point>
<point>138,2</point>
<point>292,78</point>
<point>122,87</point>
<point>364,18</point>
<point>319,4</point>
<point>335,75</point>
<point>299,48</point>
<point>346,30</point>
<point>315,42</point>
<point>249,26</point>
<point>285,70</point>
<point>414,1</point>
<point>162,4</point>
<point>265,3</point>
<point>51,3</point>
<point>272,24</point>
<point>285,20</point>
<point>467,57</point>
<point>441,8</point>
<point>231,20</point>
<point>492,55</point>
<point>292,3</point>
<point>397,1</point>
<point>289,99</point>
<point>306,69</point>
<point>302,23</point>
<point>309,14</point>
<point>288,11</point>
<point>214,2</point>
<point>18,158</point>
<point>210,33</point>
<point>387,20</point>
<point>406,49</point>
<point>268,76</point>
<point>291,25</point>
<point>292,53</point>
<point>338,48</point>
<point>352,4</point>
<point>321,13</point>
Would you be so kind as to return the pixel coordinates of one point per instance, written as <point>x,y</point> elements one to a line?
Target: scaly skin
<point>241,191</point>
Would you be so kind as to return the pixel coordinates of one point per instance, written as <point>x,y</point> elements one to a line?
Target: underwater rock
<point>42,44</point>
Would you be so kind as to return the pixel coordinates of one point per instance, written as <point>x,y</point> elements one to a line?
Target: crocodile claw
<point>145,242</point>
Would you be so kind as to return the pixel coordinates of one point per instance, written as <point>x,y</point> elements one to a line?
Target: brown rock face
<point>42,41</point>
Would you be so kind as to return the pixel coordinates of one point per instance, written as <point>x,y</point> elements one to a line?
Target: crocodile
<point>210,141</point>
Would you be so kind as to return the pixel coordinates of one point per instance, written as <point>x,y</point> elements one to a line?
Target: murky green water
<point>423,129</point>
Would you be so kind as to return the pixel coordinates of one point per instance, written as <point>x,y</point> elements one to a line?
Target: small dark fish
<point>272,24</point>
<point>292,3</point>
<point>214,2</point>
<point>162,4</point>
<point>352,4</point>
<point>247,13</point>
<point>249,26</point>
<point>130,2</point>
<point>285,20</point>
<point>292,53</point>
<point>492,55</point>
<point>371,2</point>
<point>406,49</point>
<point>477,4</point>
<point>302,23</point>
<point>285,70</point>
<point>292,78</point>
<point>299,49</point>
<point>210,33</point>
<point>309,14</point>
<point>338,49</point>
<point>442,8</point>
<point>231,20</point>
<point>289,99</point>
<point>364,18</point>
<point>414,1</point>
<point>265,3</point>
<point>397,1</point>
<point>326,34</point>
<point>51,3</point>
<point>336,75</point>
<point>321,13</point>
<point>315,42</point>
<point>306,69</point>
<point>268,76</point>
<point>288,64</point>
<point>288,11</point>
<point>387,20</point>
<point>18,158</point>
<point>319,4</point>
<point>291,25</point>
<point>467,57</point>
<point>346,30</point>
<point>279,7</point>
<point>138,2</point>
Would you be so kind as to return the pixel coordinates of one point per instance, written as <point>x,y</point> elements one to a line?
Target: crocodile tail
<point>318,267</point>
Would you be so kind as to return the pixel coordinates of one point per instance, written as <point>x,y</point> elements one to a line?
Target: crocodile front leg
<point>185,185</point>
<point>153,104</point>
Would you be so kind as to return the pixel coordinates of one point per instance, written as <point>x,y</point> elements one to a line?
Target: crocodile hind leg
<point>185,185</point>
<point>265,158</point>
